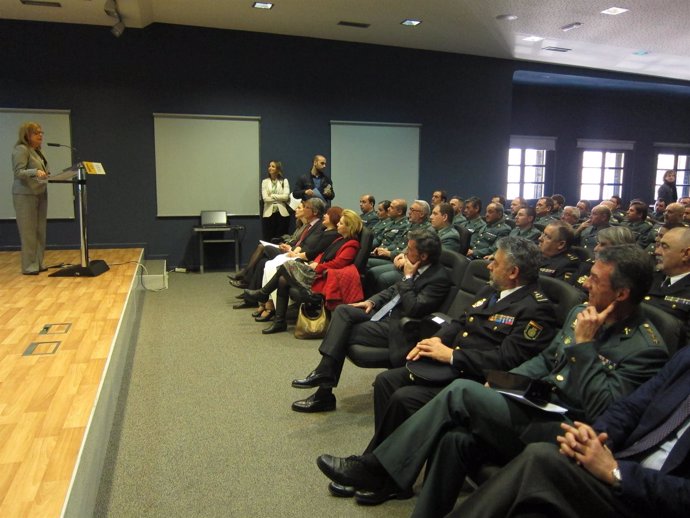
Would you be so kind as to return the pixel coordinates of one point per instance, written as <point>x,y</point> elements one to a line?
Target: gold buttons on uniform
<point>572,359</point>
<point>465,334</point>
<point>648,297</point>
<point>471,319</point>
<point>560,377</point>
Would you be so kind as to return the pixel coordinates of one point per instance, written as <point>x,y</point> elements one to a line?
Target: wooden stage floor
<point>63,341</point>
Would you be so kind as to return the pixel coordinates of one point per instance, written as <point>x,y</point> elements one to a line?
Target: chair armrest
<point>430,324</point>
<point>410,326</point>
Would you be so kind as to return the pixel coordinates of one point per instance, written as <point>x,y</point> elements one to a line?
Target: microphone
<point>57,144</point>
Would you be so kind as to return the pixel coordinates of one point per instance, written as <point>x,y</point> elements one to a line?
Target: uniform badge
<point>533,330</point>
<point>651,333</point>
<point>478,303</point>
<point>502,319</point>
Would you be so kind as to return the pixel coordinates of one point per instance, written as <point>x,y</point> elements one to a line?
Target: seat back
<point>671,328</point>
<point>564,296</point>
<point>366,240</point>
<point>456,265</point>
<point>582,254</point>
<point>465,236</point>
<point>475,278</point>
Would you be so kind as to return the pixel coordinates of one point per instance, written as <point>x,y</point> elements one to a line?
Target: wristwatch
<point>617,479</point>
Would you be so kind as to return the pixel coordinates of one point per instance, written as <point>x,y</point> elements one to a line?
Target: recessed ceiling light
<point>409,22</point>
<point>508,17</point>
<point>262,5</point>
<point>571,26</point>
<point>614,11</point>
<point>641,52</point>
<point>357,25</point>
<point>532,38</point>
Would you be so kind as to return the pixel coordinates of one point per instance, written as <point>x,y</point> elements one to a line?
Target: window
<point>527,158</point>
<point>678,162</point>
<point>602,174</point>
<point>526,169</point>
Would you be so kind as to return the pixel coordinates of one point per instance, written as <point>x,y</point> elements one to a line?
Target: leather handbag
<point>310,327</point>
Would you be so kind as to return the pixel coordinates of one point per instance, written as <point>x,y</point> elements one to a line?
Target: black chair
<point>562,294</point>
<point>583,254</point>
<point>376,357</point>
<point>671,328</point>
<point>465,236</point>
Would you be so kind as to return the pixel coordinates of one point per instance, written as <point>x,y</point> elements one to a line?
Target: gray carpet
<point>204,426</point>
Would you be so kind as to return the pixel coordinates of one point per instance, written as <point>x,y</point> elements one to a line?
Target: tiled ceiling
<point>652,38</point>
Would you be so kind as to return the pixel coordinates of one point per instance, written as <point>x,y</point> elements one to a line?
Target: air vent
<point>41,4</point>
<point>557,49</point>
<point>357,25</point>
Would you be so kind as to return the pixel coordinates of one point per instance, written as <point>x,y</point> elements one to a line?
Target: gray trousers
<point>32,212</point>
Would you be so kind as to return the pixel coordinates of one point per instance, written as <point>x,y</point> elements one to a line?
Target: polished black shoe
<point>276,327</point>
<point>340,490</point>
<point>388,492</point>
<point>312,404</point>
<point>314,379</point>
<point>270,313</point>
<point>239,276</point>
<point>238,284</point>
<point>244,305</point>
<point>256,295</point>
<point>350,471</point>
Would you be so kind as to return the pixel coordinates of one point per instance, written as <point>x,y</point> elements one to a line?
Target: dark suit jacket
<point>418,298</point>
<point>666,491</point>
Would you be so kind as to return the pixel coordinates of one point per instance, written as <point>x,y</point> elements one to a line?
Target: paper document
<point>266,243</point>
<point>93,167</point>
<point>548,407</point>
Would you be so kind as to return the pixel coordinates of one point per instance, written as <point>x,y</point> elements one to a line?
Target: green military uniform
<point>588,237</point>
<point>466,422</point>
<point>475,225</point>
<point>642,230</point>
<point>544,220</point>
<point>563,266</point>
<point>394,236</point>
<point>379,228</point>
<point>450,239</point>
<point>370,219</point>
<point>459,219</point>
<point>530,233</point>
<point>484,242</point>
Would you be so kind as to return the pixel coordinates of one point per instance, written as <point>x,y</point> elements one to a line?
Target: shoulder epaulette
<point>539,296</point>
<point>572,256</point>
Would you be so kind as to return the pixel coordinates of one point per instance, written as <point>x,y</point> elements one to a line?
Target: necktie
<point>386,308</point>
<point>666,283</point>
<point>659,434</point>
<point>304,235</point>
<point>492,299</point>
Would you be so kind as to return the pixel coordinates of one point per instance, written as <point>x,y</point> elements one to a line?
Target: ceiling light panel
<point>614,11</point>
<point>410,22</point>
<point>262,5</point>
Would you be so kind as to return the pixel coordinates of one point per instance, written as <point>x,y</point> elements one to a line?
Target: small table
<point>204,234</point>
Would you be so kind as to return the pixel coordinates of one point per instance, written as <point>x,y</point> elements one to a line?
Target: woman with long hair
<point>275,192</point>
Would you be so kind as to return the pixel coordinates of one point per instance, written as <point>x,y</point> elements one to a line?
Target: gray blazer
<point>26,162</point>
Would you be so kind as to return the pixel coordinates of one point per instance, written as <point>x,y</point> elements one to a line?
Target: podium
<point>76,175</point>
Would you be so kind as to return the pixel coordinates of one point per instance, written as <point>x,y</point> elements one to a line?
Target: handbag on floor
<point>310,327</point>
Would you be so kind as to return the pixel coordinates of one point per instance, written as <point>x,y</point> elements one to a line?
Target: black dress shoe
<point>239,276</point>
<point>270,313</point>
<point>276,327</point>
<point>388,492</point>
<point>256,295</point>
<point>350,471</point>
<point>314,379</point>
<point>312,405</point>
<point>239,284</point>
<point>340,490</point>
<point>244,305</point>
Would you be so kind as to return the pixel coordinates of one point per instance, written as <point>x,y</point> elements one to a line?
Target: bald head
<point>673,251</point>
<point>674,213</point>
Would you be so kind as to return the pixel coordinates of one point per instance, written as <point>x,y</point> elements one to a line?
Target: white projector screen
<point>206,162</point>
<point>55,124</point>
<point>374,158</point>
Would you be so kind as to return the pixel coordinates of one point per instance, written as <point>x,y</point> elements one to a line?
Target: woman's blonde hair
<point>352,222</point>
<point>27,129</point>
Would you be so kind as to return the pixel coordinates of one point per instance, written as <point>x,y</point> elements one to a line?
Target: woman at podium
<point>30,196</point>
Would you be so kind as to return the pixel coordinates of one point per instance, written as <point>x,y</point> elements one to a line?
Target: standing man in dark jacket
<point>315,184</point>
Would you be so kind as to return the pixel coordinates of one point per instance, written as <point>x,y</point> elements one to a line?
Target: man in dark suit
<point>510,321</point>
<point>670,290</point>
<point>633,461</point>
<point>376,321</point>
<point>604,352</point>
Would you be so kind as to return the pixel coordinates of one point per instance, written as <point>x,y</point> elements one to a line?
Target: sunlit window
<point>602,174</point>
<point>678,162</point>
<point>526,168</point>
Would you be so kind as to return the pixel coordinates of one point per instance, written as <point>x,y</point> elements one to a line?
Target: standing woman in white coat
<point>30,195</point>
<point>275,191</point>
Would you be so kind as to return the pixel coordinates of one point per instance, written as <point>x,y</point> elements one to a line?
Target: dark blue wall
<point>297,85</point>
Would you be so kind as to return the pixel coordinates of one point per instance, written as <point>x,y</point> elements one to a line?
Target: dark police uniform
<point>487,336</point>
<point>562,266</point>
<point>674,299</point>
